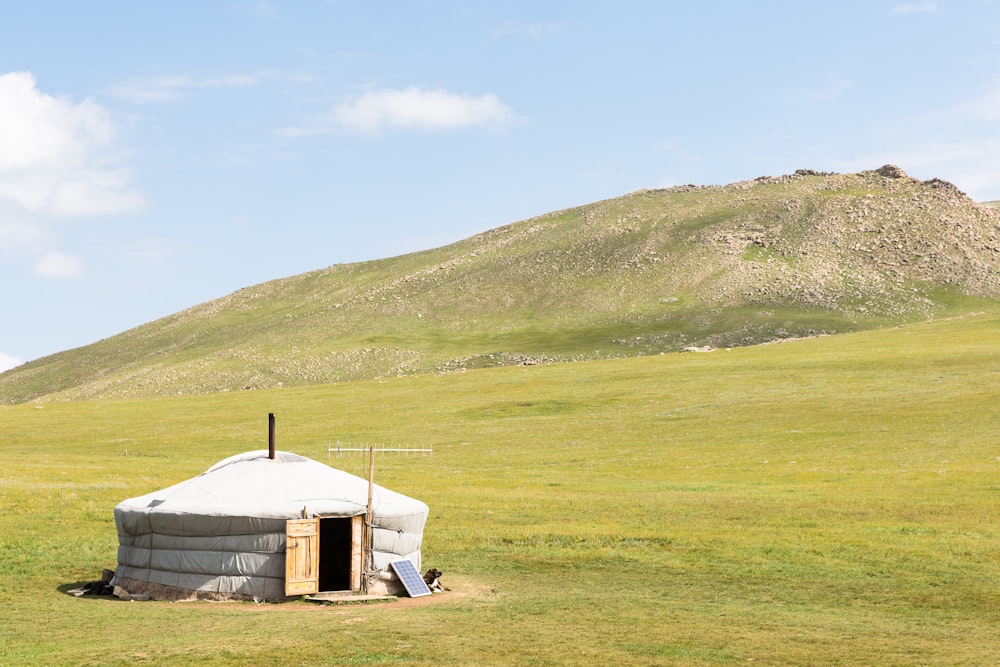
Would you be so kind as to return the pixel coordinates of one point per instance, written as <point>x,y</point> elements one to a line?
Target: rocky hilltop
<point>689,267</point>
<point>877,242</point>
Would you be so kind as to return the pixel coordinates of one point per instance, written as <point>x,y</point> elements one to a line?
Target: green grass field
<point>831,501</point>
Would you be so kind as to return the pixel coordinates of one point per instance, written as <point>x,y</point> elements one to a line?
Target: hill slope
<point>653,271</point>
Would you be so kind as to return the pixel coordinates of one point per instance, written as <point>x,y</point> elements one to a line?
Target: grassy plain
<point>830,501</point>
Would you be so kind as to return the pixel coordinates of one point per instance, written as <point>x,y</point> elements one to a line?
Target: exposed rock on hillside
<point>891,171</point>
<point>687,267</point>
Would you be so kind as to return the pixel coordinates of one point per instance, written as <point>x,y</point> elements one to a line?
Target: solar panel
<point>412,581</point>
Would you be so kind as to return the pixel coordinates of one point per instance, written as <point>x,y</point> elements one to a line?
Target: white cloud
<point>264,9</point>
<point>957,142</point>
<point>56,156</point>
<point>56,264</point>
<point>984,108</point>
<point>969,164</point>
<point>915,8</point>
<point>832,88</point>
<point>19,235</point>
<point>274,75</point>
<point>420,109</point>
<point>8,362</point>
<point>167,88</point>
<point>300,131</point>
<point>40,131</point>
<point>534,31</point>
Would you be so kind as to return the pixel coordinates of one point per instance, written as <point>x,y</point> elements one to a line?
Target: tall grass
<point>828,501</point>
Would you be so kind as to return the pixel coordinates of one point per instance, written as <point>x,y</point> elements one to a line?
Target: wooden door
<point>301,556</point>
<point>357,551</point>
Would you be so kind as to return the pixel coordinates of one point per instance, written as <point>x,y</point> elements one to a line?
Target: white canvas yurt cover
<point>225,533</point>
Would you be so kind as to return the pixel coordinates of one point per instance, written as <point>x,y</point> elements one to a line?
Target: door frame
<point>303,556</point>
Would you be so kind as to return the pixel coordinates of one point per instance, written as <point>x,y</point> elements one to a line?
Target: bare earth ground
<point>463,590</point>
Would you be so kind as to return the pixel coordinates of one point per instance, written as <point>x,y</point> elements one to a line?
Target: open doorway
<point>323,555</point>
<point>340,553</point>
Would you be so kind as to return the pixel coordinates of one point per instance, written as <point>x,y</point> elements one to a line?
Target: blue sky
<point>155,155</point>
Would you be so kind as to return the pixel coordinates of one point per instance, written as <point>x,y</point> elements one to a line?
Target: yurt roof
<point>252,484</point>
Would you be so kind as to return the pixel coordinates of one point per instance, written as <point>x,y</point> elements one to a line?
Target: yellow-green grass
<point>831,501</point>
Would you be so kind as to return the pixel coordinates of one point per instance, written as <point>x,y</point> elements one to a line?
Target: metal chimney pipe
<point>270,435</point>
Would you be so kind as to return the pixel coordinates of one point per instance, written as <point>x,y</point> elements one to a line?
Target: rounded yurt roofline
<point>225,533</point>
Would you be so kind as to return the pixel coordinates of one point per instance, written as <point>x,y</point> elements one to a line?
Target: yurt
<point>265,525</point>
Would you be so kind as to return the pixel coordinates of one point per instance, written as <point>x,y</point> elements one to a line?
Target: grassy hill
<point>653,271</point>
<point>830,501</point>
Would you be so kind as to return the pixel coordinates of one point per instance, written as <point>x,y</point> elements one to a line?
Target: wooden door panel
<point>357,551</point>
<point>301,556</point>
